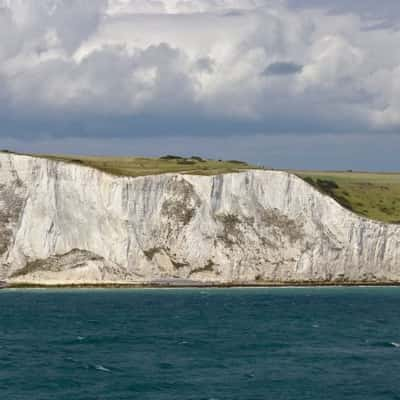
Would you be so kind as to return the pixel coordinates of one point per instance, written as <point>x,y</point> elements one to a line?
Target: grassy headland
<point>142,166</point>
<point>372,195</point>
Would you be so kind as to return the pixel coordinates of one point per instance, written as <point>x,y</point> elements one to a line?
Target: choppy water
<point>328,343</point>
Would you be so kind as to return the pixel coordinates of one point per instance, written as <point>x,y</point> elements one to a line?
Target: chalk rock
<point>64,223</point>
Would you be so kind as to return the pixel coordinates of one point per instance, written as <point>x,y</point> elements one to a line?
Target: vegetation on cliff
<point>143,166</point>
<point>372,195</point>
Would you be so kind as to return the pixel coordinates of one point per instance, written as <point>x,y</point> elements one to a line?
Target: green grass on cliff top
<point>142,166</point>
<point>372,195</point>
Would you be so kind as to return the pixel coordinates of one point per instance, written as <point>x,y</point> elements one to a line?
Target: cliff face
<point>64,223</point>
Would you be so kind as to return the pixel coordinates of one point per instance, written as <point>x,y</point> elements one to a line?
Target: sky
<point>305,84</point>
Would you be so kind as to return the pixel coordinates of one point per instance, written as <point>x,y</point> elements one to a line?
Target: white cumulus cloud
<point>261,62</point>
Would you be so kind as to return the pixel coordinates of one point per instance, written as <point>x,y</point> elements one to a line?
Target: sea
<point>212,344</point>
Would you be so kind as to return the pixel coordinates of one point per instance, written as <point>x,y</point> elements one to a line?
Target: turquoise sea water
<point>319,343</point>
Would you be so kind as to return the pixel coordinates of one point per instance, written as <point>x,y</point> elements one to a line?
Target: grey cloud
<point>75,20</point>
<point>365,7</point>
<point>385,12</point>
<point>10,43</point>
<point>108,91</point>
<point>193,73</point>
<point>206,64</point>
<point>233,13</point>
<point>386,24</point>
<point>283,68</point>
<point>28,22</point>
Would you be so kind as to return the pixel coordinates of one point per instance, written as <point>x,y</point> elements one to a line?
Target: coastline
<point>200,285</point>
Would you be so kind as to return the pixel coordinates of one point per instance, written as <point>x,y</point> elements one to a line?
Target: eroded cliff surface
<point>61,223</point>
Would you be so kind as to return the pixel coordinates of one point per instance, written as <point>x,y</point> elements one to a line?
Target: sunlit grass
<point>142,166</point>
<point>373,195</point>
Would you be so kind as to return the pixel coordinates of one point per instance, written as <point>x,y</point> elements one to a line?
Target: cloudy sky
<point>282,83</point>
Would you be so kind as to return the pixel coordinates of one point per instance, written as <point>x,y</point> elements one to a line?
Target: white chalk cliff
<point>62,223</point>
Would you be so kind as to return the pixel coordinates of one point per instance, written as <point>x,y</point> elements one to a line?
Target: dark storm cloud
<point>283,68</point>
